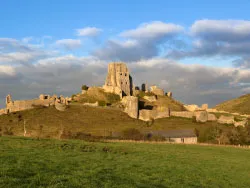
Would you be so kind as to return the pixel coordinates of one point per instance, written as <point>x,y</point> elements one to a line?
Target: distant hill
<point>240,105</point>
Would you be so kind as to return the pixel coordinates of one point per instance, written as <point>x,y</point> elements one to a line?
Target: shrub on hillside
<point>101,103</point>
<point>151,137</point>
<point>218,135</point>
<point>84,87</point>
<point>132,134</point>
<point>112,98</point>
<point>239,135</point>
<point>141,94</point>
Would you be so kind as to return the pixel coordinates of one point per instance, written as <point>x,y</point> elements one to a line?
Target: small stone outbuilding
<point>186,136</point>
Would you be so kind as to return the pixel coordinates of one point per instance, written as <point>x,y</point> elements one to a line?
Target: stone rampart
<point>184,114</point>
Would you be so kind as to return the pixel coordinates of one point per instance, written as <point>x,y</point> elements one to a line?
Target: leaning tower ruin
<point>118,79</point>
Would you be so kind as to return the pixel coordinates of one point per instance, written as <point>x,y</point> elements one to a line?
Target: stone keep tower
<point>119,78</point>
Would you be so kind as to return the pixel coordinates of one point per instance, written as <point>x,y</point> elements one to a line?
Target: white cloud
<point>193,83</point>
<point>7,70</point>
<point>224,38</point>
<point>88,31</point>
<point>222,30</point>
<point>140,43</point>
<point>20,57</point>
<point>153,29</point>
<point>69,44</point>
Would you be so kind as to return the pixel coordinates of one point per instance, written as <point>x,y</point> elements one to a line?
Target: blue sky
<point>58,18</point>
<point>197,47</point>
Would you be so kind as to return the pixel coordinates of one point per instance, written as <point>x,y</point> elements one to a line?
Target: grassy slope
<point>165,101</point>
<point>29,162</point>
<point>77,118</point>
<point>240,105</point>
<point>94,94</point>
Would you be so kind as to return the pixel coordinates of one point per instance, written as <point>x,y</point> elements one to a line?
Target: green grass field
<point>27,162</point>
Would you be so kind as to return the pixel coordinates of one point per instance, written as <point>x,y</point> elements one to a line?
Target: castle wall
<point>157,91</point>
<point>3,111</point>
<point>118,76</point>
<point>184,114</point>
<point>19,105</point>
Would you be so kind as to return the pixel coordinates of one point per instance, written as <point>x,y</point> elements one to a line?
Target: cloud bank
<point>154,52</point>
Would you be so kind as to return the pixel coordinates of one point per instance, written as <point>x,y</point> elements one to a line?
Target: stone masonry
<point>131,106</point>
<point>118,80</point>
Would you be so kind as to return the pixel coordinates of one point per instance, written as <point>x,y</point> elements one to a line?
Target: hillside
<point>240,105</point>
<point>98,121</point>
<point>164,101</point>
<point>94,94</point>
<point>27,162</point>
<point>107,121</point>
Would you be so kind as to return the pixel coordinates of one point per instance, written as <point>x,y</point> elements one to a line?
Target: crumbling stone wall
<point>157,91</point>
<point>131,106</point>
<point>147,115</point>
<point>118,79</point>
<point>201,116</point>
<point>43,100</point>
<point>3,111</point>
<point>184,114</point>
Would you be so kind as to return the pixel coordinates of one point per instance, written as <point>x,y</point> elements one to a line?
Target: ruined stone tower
<point>118,79</point>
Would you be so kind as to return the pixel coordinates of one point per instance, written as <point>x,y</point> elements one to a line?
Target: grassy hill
<point>164,101</point>
<point>27,162</point>
<point>99,121</point>
<point>94,94</point>
<point>240,105</point>
<point>106,121</point>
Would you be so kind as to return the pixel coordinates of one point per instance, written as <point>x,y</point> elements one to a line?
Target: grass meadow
<point>27,162</point>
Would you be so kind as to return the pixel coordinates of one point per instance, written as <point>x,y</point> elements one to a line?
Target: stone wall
<point>113,89</point>
<point>147,115</point>
<point>191,107</point>
<point>201,116</point>
<point>184,114</point>
<point>43,100</point>
<point>20,105</point>
<point>157,91</point>
<point>131,106</point>
<point>3,111</point>
<point>118,76</point>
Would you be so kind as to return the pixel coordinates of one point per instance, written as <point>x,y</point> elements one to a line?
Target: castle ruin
<point>118,80</point>
<point>43,100</point>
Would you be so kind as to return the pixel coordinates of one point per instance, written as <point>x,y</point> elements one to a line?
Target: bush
<point>84,87</point>
<point>101,103</point>
<point>150,123</point>
<point>239,135</point>
<point>152,137</point>
<point>142,94</point>
<point>112,98</point>
<point>132,134</point>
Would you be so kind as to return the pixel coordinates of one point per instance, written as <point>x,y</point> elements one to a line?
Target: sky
<point>199,50</point>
